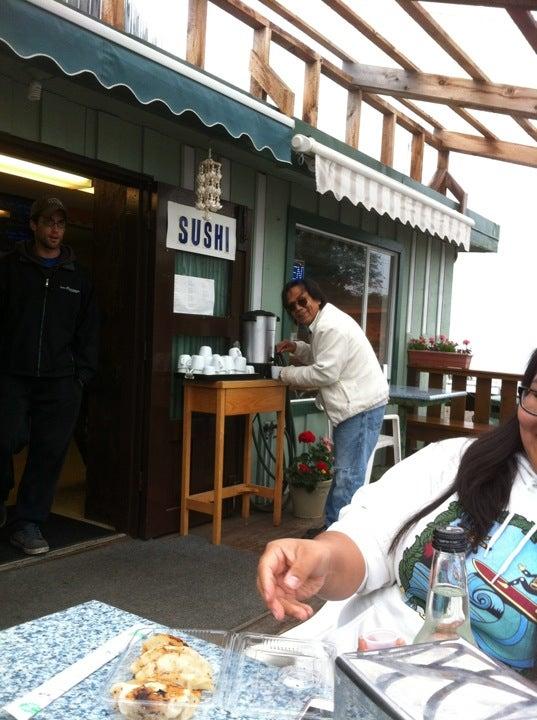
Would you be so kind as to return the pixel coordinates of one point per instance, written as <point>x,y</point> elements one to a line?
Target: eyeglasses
<point>301,302</point>
<point>528,399</point>
<point>60,224</point>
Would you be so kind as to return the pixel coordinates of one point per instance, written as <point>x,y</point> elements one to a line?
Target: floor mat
<point>178,581</point>
<point>59,531</point>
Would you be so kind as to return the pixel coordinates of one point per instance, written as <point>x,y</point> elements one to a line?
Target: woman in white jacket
<point>341,363</point>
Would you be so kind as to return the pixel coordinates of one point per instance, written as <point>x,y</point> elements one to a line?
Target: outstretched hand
<point>289,572</point>
<point>286,346</point>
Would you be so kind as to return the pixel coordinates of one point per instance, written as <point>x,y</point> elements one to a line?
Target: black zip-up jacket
<point>48,316</point>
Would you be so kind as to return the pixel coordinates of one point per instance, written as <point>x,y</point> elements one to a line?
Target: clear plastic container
<point>142,698</point>
<point>275,677</point>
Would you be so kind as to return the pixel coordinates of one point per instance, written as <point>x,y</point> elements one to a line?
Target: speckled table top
<point>35,651</point>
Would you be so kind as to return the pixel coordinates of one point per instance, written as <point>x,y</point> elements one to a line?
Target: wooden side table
<point>222,398</point>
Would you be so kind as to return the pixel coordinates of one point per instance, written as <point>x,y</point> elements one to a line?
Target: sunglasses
<point>301,302</point>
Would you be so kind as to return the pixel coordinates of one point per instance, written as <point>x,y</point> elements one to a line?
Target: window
<point>357,278</point>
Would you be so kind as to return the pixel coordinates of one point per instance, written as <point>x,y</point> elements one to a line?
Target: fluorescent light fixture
<point>42,173</point>
<point>4,213</point>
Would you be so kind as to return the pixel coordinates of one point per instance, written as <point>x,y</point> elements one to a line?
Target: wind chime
<point>208,189</point>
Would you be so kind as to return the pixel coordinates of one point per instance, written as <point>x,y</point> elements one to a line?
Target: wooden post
<point>416,162</point>
<point>113,13</point>
<point>261,46</point>
<point>197,28</point>
<point>310,103</point>
<point>354,110</point>
<point>388,139</point>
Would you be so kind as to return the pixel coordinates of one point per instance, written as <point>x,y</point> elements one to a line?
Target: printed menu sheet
<point>193,295</point>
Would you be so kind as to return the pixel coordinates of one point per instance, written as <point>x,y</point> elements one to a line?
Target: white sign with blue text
<point>190,231</point>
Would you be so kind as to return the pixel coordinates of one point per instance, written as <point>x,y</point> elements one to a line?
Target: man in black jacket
<point>48,351</point>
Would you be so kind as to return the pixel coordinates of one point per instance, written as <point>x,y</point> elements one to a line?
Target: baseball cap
<point>46,207</point>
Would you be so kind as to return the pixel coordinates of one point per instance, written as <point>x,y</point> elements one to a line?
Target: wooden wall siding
<point>119,142</point>
<point>63,123</point>
<point>18,115</point>
<point>242,185</point>
<point>434,285</point>
<point>419,287</point>
<point>275,244</point>
<point>162,157</point>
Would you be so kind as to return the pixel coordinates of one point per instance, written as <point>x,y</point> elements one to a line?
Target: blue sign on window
<point>298,270</point>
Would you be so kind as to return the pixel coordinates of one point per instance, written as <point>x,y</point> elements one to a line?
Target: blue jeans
<point>354,441</point>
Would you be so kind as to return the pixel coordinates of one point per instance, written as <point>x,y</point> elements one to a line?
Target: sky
<point>493,294</point>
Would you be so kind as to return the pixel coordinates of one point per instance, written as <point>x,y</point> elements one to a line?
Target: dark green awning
<point>79,44</point>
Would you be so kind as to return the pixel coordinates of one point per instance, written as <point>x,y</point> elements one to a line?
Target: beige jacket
<point>341,363</point>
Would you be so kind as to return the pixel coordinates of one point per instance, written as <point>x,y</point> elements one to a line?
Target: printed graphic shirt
<point>502,573</point>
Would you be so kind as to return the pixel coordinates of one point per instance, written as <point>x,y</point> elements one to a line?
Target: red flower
<point>465,342</point>
<point>306,437</point>
<point>428,551</point>
<point>322,466</point>
<point>303,468</point>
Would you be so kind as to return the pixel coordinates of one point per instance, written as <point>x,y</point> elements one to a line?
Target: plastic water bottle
<point>447,615</point>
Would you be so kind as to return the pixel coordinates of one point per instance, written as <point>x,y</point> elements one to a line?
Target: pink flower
<point>306,437</point>
<point>327,442</point>
<point>432,339</point>
<point>465,342</point>
<point>443,338</point>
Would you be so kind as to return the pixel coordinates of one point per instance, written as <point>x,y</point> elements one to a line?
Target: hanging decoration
<point>208,186</point>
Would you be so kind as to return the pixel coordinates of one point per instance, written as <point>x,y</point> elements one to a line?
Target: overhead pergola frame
<point>365,84</point>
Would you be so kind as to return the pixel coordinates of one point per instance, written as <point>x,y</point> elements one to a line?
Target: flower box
<point>440,360</point>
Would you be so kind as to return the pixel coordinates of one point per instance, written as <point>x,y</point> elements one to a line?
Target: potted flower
<point>310,474</point>
<point>439,352</point>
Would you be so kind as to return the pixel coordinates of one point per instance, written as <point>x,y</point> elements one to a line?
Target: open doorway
<point>98,488</point>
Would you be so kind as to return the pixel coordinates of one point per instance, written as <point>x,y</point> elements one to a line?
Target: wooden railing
<point>471,415</point>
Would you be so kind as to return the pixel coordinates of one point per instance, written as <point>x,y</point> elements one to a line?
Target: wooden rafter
<point>196,32</point>
<point>416,157</point>
<point>359,24</point>
<point>506,99</point>
<point>388,139</point>
<point>342,55</point>
<point>310,103</point>
<point>444,40</point>
<point>354,111</point>
<point>494,149</point>
<point>521,4</point>
<point>526,24</point>
<point>272,84</point>
<point>262,48</point>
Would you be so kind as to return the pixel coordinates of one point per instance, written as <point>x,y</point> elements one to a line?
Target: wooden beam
<point>457,191</point>
<point>262,37</point>
<point>113,13</point>
<point>438,182</point>
<point>310,103</point>
<point>388,139</point>
<point>526,24</point>
<point>505,99</point>
<point>354,112</point>
<point>272,84</point>
<point>196,32</point>
<point>522,4</point>
<point>308,30</point>
<point>416,157</point>
<point>494,149</point>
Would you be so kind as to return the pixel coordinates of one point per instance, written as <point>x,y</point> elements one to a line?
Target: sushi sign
<point>189,230</point>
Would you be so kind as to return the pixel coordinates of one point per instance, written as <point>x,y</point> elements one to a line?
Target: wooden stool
<point>222,398</point>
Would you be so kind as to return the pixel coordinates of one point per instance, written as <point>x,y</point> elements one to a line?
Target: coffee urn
<point>259,339</point>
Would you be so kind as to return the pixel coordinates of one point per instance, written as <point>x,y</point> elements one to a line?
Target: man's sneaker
<point>3,515</point>
<point>313,532</point>
<point>28,538</point>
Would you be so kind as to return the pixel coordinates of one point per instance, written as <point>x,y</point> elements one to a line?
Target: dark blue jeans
<point>354,441</point>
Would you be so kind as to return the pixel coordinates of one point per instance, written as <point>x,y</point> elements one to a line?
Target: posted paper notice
<point>193,295</point>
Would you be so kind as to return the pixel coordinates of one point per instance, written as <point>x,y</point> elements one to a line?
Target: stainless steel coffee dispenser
<point>259,338</point>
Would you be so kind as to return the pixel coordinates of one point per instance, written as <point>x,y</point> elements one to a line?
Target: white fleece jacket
<point>341,363</point>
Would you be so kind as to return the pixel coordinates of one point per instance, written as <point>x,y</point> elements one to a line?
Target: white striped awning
<point>361,184</point>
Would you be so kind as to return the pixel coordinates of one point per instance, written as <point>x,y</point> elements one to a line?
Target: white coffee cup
<point>205,350</point>
<point>234,352</point>
<point>198,363</point>
<point>240,364</point>
<point>218,363</point>
<point>250,370</point>
<point>228,364</point>
<point>275,371</point>
<point>209,370</point>
<point>185,361</point>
